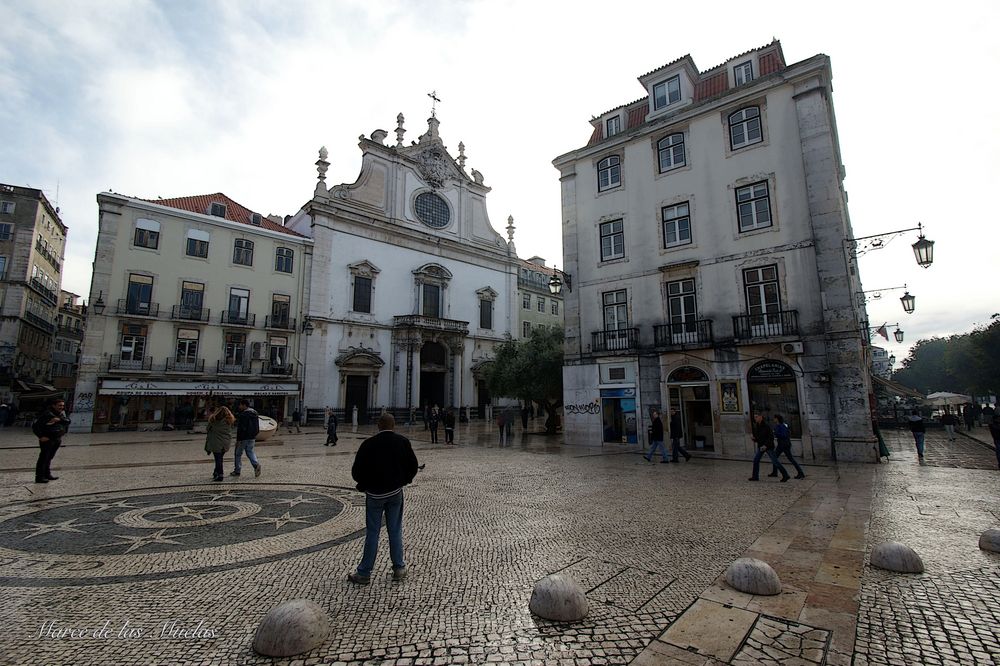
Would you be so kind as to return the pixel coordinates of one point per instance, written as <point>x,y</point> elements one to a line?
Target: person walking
<point>449,426</point>
<point>4,411</point>
<point>949,421</point>
<point>918,430</point>
<point>676,435</point>
<point>508,423</point>
<point>219,437</point>
<point>247,427</point>
<point>500,425</point>
<point>968,415</point>
<point>994,426</point>
<point>427,415</point>
<point>331,428</point>
<point>49,426</point>
<point>656,437</point>
<point>383,465</point>
<point>764,438</point>
<point>783,437</point>
<point>434,421</point>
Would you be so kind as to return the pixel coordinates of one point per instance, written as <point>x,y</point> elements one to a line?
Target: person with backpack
<point>783,436</point>
<point>247,427</point>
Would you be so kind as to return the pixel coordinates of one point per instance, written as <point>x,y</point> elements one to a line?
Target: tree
<point>531,370</point>
<point>965,363</point>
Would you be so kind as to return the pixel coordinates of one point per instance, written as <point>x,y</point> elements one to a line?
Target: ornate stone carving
<point>434,167</point>
<point>477,176</point>
<point>510,228</point>
<point>378,136</point>
<point>399,131</point>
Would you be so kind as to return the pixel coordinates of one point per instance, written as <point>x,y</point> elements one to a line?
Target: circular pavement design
<point>167,532</point>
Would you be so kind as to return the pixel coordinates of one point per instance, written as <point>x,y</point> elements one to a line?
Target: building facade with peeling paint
<point>703,233</point>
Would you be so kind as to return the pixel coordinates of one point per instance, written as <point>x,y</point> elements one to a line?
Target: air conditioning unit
<point>791,348</point>
<point>258,351</point>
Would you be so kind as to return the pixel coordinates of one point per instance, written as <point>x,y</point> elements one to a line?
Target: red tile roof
<point>710,86</point>
<point>235,212</point>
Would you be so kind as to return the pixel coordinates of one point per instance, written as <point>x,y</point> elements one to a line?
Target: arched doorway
<point>359,371</point>
<point>691,396</point>
<point>480,370</point>
<point>772,389</point>
<point>433,371</point>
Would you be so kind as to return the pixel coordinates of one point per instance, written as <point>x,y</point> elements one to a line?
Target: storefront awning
<point>896,387</point>
<point>33,390</point>
<point>143,387</point>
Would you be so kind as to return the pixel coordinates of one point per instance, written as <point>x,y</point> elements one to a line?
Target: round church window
<point>432,210</point>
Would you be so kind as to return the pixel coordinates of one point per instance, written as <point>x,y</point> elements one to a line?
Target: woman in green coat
<point>220,436</point>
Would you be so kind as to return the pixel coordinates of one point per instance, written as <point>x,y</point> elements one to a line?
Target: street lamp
<point>99,304</point>
<point>307,326</point>
<point>898,334</point>
<point>555,284</point>
<point>892,360</point>
<point>909,302</point>
<point>923,249</point>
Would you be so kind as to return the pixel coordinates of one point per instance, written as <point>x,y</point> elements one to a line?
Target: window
<point>283,260</point>
<point>239,305</point>
<point>681,308</point>
<point>667,92</point>
<point>541,304</point>
<point>763,299</point>
<point>3,268</point>
<point>281,308</point>
<point>609,173</point>
<point>243,252</point>
<point>615,310</point>
<point>432,210</point>
<point>133,342</point>
<point>192,297</point>
<point>6,231</point>
<point>197,248</point>
<point>236,348</point>
<point>6,207</point>
<point>526,301</point>
<point>754,206</point>
<point>670,150</point>
<point>555,307</point>
<point>139,298</point>
<point>525,329</point>
<point>676,225</point>
<point>147,234</point>
<point>278,350</point>
<point>614,125</point>
<point>217,209</point>
<point>744,127</point>
<point>362,294</point>
<point>743,73</point>
<point>485,313</point>
<point>432,300</point>
<point>187,346</point>
<point>612,240</point>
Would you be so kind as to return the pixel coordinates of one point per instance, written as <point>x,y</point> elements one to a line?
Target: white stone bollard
<point>291,628</point>
<point>558,597</point>
<point>990,540</point>
<point>895,556</point>
<point>753,576</point>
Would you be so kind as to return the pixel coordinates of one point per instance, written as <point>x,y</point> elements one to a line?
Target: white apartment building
<point>193,299</point>
<point>539,306</point>
<point>703,229</point>
<point>411,286</point>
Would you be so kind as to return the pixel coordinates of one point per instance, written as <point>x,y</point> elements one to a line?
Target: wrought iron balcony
<point>46,293</point>
<point>280,323</point>
<point>40,322</point>
<point>226,368</point>
<point>189,313</point>
<point>137,308</point>
<point>278,369</point>
<point>431,323</point>
<point>694,333</point>
<point>237,318</point>
<point>620,339</point>
<point>776,324</point>
<point>137,364</point>
<point>185,365</point>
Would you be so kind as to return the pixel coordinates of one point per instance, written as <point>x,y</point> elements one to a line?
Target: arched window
<point>687,373</point>
<point>609,173</point>
<point>744,127</point>
<point>243,252</point>
<point>283,260</point>
<point>671,152</point>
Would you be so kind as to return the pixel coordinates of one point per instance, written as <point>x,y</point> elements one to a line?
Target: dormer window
<point>743,73</point>
<point>255,219</point>
<point>667,92</point>
<point>217,210</point>
<point>614,125</point>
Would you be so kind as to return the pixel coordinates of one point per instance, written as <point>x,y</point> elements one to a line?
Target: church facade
<point>411,286</point>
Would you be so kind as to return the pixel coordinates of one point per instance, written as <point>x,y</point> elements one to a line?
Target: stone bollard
<point>291,628</point>
<point>560,598</point>
<point>895,556</point>
<point>990,540</point>
<point>752,576</point>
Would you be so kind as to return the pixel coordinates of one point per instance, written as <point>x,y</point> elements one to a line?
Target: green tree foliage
<point>531,369</point>
<point>966,363</point>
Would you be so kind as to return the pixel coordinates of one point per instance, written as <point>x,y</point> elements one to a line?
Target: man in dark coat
<point>383,465</point>
<point>49,427</point>
<point>676,435</point>
<point>247,429</point>
<point>764,438</point>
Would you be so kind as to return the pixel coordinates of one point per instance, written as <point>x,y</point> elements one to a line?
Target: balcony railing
<point>185,365</point>
<point>224,368</point>
<point>621,339</point>
<point>140,364</point>
<point>278,369</point>
<point>46,293</point>
<point>137,308</point>
<point>49,257</point>
<point>767,325</point>
<point>189,313</point>
<point>280,323</point>
<point>40,322</point>
<point>695,333</point>
<point>237,318</point>
<point>431,323</point>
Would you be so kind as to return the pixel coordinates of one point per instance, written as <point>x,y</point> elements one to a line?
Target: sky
<point>179,97</point>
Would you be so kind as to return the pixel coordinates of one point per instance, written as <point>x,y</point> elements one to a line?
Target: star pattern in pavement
<point>295,501</point>
<point>137,542</point>
<point>39,529</point>
<point>188,512</point>
<point>226,494</point>
<point>98,507</point>
<point>283,520</point>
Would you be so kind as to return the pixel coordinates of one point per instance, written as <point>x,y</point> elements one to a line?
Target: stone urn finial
<point>510,228</point>
<point>399,130</point>
<point>461,156</point>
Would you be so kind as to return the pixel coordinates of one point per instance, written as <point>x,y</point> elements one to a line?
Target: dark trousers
<point>47,451</point>
<point>449,435</point>
<point>434,433</point>
<point>220,459</point>
<point>774,461</point>
<point>786,448</point>
<point>678,450</point>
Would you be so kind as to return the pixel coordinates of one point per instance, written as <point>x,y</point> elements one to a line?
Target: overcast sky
<point>180,98</point>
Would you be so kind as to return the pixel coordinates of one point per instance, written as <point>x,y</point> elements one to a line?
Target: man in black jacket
<point>676,435</point>
<point>247,428</point>
<point>383,465</point>
<point>764,436</point>
<point>49,427</point>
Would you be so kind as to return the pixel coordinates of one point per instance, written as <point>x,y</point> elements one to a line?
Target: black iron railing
<point>282,369</point>
<point>189,313</point>
<point>767,325</point>
<point>135,364</point>
<point>237,318</point>
<point>281,323</point>
<point>138,308</point>
<point>185,365</point>
<point>620,339</point>
<point>692,333</point>
<point>226,368</point>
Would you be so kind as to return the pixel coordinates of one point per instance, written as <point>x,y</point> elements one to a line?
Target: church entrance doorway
<point>433,370</point>
<point>356,395</point>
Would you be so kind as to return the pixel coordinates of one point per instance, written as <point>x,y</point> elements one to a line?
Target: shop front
<point>155,405</point>
<point>690,394</point>
<point>773,390</point>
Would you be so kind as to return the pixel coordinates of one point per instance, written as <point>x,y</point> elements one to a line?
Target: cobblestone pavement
<point>134,544</point>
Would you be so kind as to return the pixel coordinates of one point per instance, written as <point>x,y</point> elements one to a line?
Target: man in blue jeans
<point>247,427</point>
<point>383,465</point>
<point>764,437</point>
